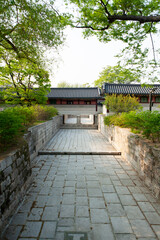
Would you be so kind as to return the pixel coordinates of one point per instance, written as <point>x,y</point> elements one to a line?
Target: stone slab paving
<point>97,197</point>
<point>79,140</point>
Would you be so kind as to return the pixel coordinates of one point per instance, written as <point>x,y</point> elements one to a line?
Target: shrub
<point>15,120</point>
<point>26,113</point>
<point>43,113</point>
<point>147,123</point>
<point>10,127</point>
<point>50,112</point>
<point>121,103</point>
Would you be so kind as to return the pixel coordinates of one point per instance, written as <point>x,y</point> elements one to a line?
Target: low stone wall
<point>16,167</point>
<point>15,177</point>
<point>39,135</point>
<point>144,157</point>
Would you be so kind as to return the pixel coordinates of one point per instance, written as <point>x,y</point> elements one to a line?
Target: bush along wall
<point>141,153</point>
<point>16,167</point>
<point>145,123</point>
<point>15,121</point>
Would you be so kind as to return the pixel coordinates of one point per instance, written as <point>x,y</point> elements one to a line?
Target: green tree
<point>116,74</point>
<point>25,82</point>
<point>131,21</point>
<point>117,19</point>
<point>120,103</point>
<point>65,84</point>
<point>25,25</point>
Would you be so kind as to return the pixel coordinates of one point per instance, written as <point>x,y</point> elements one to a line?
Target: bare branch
<point>154,55</point>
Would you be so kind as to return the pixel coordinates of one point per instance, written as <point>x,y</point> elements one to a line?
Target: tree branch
<point>141,19</point>
<point>105,7</point>
<point>90,27</point>
<point>11,44</point>
<point>112,18</point>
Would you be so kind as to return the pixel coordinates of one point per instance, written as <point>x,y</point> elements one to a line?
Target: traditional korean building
<point>142,93</point>
<point>76,100</point>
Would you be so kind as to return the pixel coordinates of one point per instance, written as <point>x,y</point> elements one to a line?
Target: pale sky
<point>81,60</point>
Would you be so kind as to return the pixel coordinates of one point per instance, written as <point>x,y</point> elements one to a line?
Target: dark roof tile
<point>73,93</point>
<point>130,89</point>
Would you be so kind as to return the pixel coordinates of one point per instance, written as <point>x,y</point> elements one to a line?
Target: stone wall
<point>16,167</point>
<point>15,177</point>
<point>39,135</point>
<point>142,155</point>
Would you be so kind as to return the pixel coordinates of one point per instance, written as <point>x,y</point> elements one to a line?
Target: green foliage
<point>131,22</point>
<point>42,113</point>
<point>24,25</point>
<point>121,103</point>
<point>116,74</point>
<point>25,82</point>
<point>123,20</point>
<point>10,126</point>
<point>49,112</point>
<point>145,122</point>
<point>15,120</point>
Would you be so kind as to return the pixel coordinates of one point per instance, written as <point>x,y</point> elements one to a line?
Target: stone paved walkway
<point>80,140</point>
<point>98,195</point>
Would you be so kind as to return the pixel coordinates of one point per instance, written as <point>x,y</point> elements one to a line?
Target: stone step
<point>80,126</point>
<point>49,152</point>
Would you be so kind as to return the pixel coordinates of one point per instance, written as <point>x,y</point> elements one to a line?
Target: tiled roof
<point>73,93</point>
<point>136,89</point>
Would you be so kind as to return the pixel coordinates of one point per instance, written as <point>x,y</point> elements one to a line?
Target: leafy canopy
<point>25,82</point>
<point>117,19</point>
<point>116,74</point>
<point>25,25</point>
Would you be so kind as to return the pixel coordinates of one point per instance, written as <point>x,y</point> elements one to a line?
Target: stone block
<point>50,213</point>
<point>99,216</point>
<point>3,165</point>
<point>96,203</point>
<point>116,210</point>
<point>31,229</point>
<point>67,211</point>
<point>9,161</point>
<point>82,211</point>
<point>121,225</point>
<point>48,230</point>
<point>101,231</point>
<point>133,212</point>
<point>153,217</point>
<point>7,171</point>
<point>142,229</point>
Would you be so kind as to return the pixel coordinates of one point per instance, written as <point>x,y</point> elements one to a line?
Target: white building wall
<point>78,109</point>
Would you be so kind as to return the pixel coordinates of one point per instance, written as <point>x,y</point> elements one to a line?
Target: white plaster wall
<point>78,109</point>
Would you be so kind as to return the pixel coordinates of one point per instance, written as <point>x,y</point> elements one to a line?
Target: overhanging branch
<point>141,19</point>
<point>113,18</point>
<point>92,28</point>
